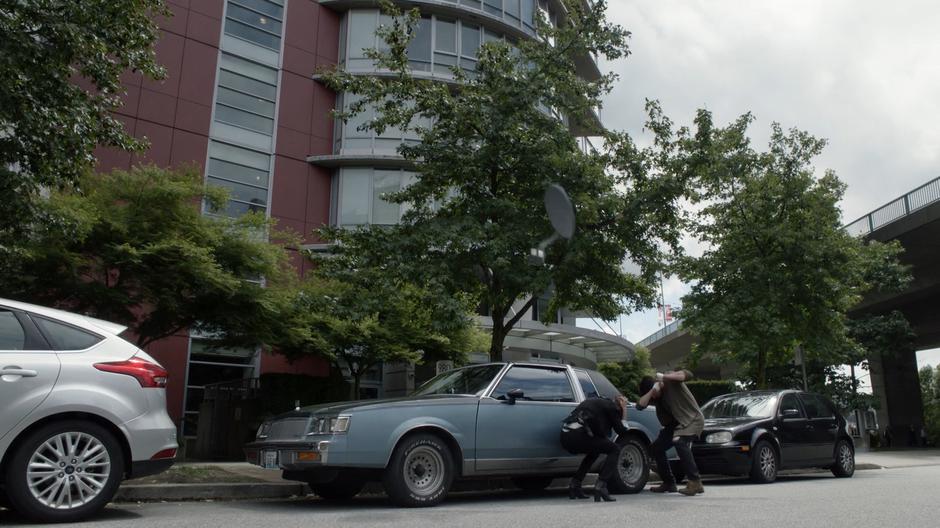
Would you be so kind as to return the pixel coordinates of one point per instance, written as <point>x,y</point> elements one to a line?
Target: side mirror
<point>514,395</point>
<point>791,414</point>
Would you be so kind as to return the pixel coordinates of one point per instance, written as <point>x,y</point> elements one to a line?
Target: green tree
<point>778,269</point>
<point>134,248</point>
<point>626,375</point>
<point>360,318</point>
<point>930,392</point>
<point>493,141</point>
<point>60,64</point>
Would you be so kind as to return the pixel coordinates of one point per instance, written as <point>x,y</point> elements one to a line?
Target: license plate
<point>269,459</point>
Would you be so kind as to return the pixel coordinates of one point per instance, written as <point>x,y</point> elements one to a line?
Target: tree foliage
<point>361,317</point>
<point>60,63</point>
<point>930,393</point>
<point>778,269</point>
<point>134,248</point>
<point>626,375</point>
<point>496,139</point>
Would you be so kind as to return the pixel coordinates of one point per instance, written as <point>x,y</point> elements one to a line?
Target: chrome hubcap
<point>424,471</point>
<point>68,470</point>
<point>846,458</point>
<point>768,463</point>
<point>631,464</point>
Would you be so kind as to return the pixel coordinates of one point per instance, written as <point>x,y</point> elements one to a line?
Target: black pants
<point>683,449</point>
<point>578,441</point>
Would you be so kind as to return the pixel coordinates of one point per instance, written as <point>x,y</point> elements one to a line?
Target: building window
<point>362,195</point>
<point>256,21</point>
<point>419,49</point>
<point>244,172</point>
<point>354,137</point>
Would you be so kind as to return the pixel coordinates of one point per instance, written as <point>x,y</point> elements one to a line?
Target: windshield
<point>741,406</point>
<point>469,380</point>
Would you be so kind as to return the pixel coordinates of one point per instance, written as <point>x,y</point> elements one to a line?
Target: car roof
<point>83,321</point>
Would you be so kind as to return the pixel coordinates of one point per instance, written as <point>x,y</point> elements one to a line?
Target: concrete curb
<point>213,491</point>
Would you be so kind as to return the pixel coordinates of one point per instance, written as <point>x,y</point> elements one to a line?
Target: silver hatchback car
<point>80,410</point>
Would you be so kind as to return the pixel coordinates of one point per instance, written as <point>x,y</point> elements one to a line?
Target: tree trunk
<point>354,389</point>
<point>761,369</point>
<point>496,343</point>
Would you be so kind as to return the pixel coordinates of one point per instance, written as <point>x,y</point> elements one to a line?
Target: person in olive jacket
<point>682,422</point>
<point>587,430</point>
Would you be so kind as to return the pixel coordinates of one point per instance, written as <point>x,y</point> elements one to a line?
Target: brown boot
<point>693,487</point>
<point>664,488</point>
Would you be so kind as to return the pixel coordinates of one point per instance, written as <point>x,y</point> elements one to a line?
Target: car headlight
<point>329,425</point>
<point>720,437</point>
<point>263,431</point>
<point>339,424</point>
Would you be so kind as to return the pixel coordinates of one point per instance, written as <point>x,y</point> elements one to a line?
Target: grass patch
<point>193,475</point>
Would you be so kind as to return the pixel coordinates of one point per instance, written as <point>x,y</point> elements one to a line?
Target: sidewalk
<point>240,480</point>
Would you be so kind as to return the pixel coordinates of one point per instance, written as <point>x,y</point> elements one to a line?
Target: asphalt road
<point>876,498</point>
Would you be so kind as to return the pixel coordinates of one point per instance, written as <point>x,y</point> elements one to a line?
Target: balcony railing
<point>659,334</point>
<point>920,197</point>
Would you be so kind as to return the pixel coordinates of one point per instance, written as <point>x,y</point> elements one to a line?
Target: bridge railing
<point>659,334</point>
<point>924,195</point>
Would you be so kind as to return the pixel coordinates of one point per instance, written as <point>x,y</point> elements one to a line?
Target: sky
<point>863,74</point>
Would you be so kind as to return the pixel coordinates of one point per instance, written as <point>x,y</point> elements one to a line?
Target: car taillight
<point>149,375</point>
<point>166,453</point>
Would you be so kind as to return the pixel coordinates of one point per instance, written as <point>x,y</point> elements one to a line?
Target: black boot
<point>574,489</point>
<point>600,492</point>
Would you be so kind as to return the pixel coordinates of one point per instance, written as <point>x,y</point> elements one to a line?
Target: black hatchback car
<point>758,433</point>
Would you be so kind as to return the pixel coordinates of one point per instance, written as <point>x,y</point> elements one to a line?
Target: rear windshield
<point>741,406</point>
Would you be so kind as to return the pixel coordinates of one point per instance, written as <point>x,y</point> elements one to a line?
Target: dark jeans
<point>592,446</point>
<point>683,448</point>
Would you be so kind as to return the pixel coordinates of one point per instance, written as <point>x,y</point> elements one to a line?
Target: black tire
<point>101,472</point>
<point>765,463</point>
<point>342,488</point>
<point>420,472</point>
<point>532,483</point>
<point>844,464</point>
<point>633,467</point>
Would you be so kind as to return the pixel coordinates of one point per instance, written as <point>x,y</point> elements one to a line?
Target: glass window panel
<point>239,155</point>
<point>238,173</point>
<point>236,209</point>
<point>241,192</point>
<point>512,8</point>
<point>202,375</point>
<point>605,388</point>
<point>489,36</point>
<point>528,12</point>
<point>537,384</point>
<point>384,212</point>
<point>12,336</point>
<point>249,69</point>
<point>815,406</point>
<point>443,63</point>
<point>244,84</point>
<point>469,40</point>
<point>233,116</point>
<point>254,19</point>
<point>386,21</point>
<point>64,337</point>
<point>471,3</point>
<point>262,6</point>
<point>354,196</point>
<point>446,38</point>
<point>493,7</point>
<point>362,26</point>
<point>789,401</point>
<point>356,121</point>
<point>262,38</point>
<point>587,386</point>
<point>246,102</point>
<point>419,49</point>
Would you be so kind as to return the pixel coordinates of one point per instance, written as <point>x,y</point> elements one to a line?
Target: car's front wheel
<point>764,463</point>
<point>844,464</point>
<point>420,472</point>
<point>64,471</point>
<point>633,467</point>
<point>343,487</point>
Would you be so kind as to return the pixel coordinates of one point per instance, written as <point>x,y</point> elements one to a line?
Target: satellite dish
<point>560,210</point>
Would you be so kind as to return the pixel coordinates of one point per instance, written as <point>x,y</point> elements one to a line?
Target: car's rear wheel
<point>343,487</point>
<point>420,472</point>
<point>844,464</point>
<point>64,471</point>
<point>633,467</point>
<point>764,463</point>
<point>532,483</point>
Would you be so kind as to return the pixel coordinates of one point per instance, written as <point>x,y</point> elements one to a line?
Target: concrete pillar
<point>894,380</point>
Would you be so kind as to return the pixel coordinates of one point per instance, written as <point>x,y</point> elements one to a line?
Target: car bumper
<point>292,456</point>
<point>151,435</point>
<point>722,459</point>
<point>144,468</point>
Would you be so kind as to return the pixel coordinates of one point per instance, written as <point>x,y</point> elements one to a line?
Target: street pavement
<point>900,496</point>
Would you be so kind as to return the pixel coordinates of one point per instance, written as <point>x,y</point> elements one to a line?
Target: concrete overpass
<point>914,220</point>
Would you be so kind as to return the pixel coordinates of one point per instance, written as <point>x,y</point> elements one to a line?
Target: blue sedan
<point>481,421</point>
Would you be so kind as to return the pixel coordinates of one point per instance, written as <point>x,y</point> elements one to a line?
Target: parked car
<point>758,433</point>
<point>81,410</point>
<point>496,419</point>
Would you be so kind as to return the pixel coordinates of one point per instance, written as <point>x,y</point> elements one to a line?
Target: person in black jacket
<point>587,430</point>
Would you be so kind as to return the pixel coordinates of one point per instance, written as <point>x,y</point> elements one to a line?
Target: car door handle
<point>16,371</point>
